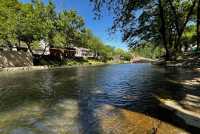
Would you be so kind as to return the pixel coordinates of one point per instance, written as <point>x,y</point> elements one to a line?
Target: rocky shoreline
<point>141,60</point>
<point>186,61</point>
<point>27,68</point>
<point>45,67</point>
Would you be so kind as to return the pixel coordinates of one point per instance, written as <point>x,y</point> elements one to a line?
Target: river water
<point>108,99</point>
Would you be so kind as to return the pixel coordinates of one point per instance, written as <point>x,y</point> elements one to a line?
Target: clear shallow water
<point>110,99</point>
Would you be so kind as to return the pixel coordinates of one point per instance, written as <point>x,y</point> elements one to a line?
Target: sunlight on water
<point>118,121</point>
<point>62,118</point>
<point>97,100</point>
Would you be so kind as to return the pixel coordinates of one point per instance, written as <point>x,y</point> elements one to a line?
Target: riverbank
<point>142,60</point>
<point>68,64</point>
<point>187,104</point>
<point>187,60</point>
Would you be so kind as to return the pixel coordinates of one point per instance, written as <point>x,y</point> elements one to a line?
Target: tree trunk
<point>29,47</point>
<point>198,26</point>
<point>176,18</point>
<point>185,23</point>
<point>163,29</point>
<point>44,50</point>
<point>180,29</point>
<point>19,43</point>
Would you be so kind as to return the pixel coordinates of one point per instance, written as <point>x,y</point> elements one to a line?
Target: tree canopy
<point>29,23</point>
<point>162,23</point>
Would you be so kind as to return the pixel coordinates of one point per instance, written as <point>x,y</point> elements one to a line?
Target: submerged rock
<point>41,126</point>
<point>1,130</point>
<point>22,131</point>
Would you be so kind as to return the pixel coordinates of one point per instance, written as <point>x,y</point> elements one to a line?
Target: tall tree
<point>157,21</point>
<point>8,15</point>
<point>163,29</point>
<point>180,27</point>
<point>139,21</point>
<point>51,17</point>
<point>69,28</point>
<point>32,24</point>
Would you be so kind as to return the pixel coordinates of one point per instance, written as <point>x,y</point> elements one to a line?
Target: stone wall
<point>15,59</point>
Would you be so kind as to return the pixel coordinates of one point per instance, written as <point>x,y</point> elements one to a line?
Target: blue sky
<point>99,27</point>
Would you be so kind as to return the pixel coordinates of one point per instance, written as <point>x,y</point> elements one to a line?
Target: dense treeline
<point>148,51</point>
<point>170,24</point>
<point>29,23</point>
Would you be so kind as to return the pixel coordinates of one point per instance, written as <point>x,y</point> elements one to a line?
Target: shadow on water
<point>91,100</point>
<point>182,87</point>
<point>43,98</point>
<point>89,122</point>
<point>137,92</point>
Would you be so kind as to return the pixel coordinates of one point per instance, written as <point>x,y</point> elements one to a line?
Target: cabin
<point>57,53</point>
<point>84,53</point>
<point>70,52</point>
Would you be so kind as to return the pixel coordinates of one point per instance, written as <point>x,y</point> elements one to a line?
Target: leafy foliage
<point>8,15</point>
<point>148,51</point>
<point>161,23</point>
<point>35,21</point>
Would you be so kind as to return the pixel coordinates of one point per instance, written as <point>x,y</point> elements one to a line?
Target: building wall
<point>15,59</point>
<point>83,52</point>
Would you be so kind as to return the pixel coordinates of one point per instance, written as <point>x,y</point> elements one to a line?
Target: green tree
<point>51,17</point>
<point>181,18</point>
<point>33,23</point>
<point>159,22</point>
<point>119,51</point>
<point>147,50</point>
<point>8,15</point>
<point>69,28</point>
<point>125,54</point>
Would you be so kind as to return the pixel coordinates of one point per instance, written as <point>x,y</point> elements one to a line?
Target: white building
<point>83,52</point>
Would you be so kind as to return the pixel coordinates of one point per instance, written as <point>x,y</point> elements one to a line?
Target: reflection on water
<point>113,99</point>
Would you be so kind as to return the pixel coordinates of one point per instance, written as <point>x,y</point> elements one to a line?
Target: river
<point>107,99</point>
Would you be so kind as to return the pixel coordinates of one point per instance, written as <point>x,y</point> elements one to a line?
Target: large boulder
<point>15,59</point>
